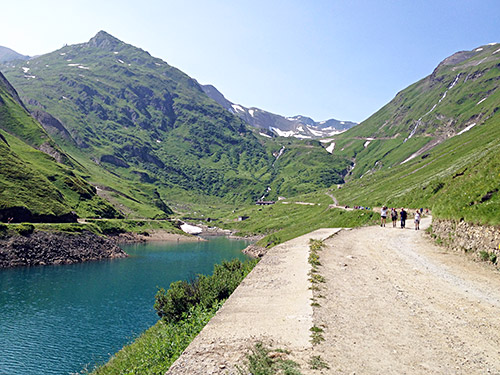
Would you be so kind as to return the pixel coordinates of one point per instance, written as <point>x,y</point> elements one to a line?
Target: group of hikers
<point>403,215</point>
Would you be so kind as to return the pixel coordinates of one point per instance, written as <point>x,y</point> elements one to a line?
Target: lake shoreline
<point>42,248</point>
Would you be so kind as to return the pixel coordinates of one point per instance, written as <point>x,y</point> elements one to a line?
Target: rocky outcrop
<point>114,160</point>
<point>43,248</point>
<point>255,251</point>
<point>471,238</point>
<point>51,124</point>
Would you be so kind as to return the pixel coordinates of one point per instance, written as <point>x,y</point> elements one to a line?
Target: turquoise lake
<point>62,319</point>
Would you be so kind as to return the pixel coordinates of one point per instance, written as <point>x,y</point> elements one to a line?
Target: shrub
<point>204,290</point>
<point>171,305</point>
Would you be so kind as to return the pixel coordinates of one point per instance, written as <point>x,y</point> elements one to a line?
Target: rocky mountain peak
<point>104,40</point>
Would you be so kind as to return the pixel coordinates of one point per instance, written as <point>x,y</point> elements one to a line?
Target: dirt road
<point>392,303</point>
<point>396,304</point>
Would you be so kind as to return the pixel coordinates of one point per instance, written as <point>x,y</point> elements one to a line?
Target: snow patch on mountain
<point>317,133</point>
<point>467,128</point>
<point>237,108</point>
<point>191,229</point>
<point>331,148</point>
<point>283,133</point>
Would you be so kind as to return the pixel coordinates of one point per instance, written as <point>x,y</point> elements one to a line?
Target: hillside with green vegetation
<point>462,92</point>
<point>435,145</point>
<point>34,186</point>
<point>143,133</point>
<point>133,120</point>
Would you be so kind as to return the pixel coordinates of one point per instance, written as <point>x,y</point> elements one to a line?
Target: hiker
<point>417,220</point>
<point>383,216</point>
<point>403,215</point>
<point>394,217</point>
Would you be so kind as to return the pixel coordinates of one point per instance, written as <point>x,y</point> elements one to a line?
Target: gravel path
<point>396,304</point>
<point>392,303</point>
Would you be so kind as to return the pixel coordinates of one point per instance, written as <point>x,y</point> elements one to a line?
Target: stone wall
<point>471,238</point>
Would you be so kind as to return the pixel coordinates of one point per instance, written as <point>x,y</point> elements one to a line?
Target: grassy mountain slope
<point>435,145</point>
<point>33,185</point>
<point>462,91</point>
<point>141,119</point>
<point>133,120</point>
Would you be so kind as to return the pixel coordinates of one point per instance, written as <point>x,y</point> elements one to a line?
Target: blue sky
<point>340,59</point>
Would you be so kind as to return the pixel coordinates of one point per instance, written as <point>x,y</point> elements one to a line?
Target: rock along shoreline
<point>50,248</point>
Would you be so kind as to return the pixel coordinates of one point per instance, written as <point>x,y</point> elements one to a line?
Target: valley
<point>100,140</point>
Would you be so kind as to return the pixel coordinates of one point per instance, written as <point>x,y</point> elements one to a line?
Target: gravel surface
<point>397,304</point>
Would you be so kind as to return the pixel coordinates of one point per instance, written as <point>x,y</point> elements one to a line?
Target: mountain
<point>435,144</point>
<point>461,93</point>
<point>145,132</point>
<point>296,126</point>
<point>6,54</point>
<point>37,179</point>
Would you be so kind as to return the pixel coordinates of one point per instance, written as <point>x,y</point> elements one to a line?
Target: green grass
<point>155,350</point>
<point>260,361</point>
<point>282,222</point>
<point>317,363</point>
<point>183,318</point>
<point>458,179</point>
<point>115,226</point>
<point>316,335</point>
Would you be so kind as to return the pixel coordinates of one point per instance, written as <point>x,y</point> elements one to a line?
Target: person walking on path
<point>403,215</point>
<point>417,220</point>
<point>394,217</point>
<point>383,216</point>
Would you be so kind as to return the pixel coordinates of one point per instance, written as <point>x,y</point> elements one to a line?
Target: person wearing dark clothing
<point>403,216</point>
<point>394,217</point>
